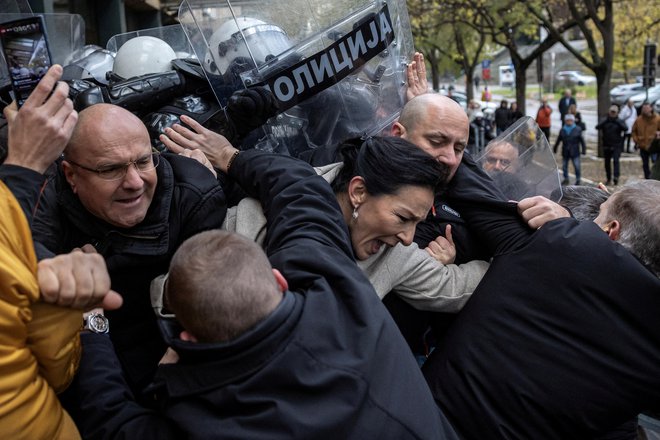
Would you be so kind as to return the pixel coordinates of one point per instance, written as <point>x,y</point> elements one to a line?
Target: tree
<point>635,21</point>
<point>442,30</point>
<point>595,19</point>
<point>507,22</point>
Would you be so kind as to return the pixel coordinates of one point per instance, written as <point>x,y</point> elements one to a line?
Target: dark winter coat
<point>561,338</point>
<point>502,117</point>
<point>572,143</point>
<point>614,129</point>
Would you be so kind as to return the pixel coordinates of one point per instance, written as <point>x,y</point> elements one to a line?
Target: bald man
<point>439,126</point>
<point>135,206</point>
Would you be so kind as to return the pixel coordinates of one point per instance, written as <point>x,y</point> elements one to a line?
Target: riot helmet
<point>92,64</point>
<point>247,41</point>
<point>143,55</point>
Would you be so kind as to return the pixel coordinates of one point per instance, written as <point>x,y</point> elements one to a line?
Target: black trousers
<point>645,162</point>
<point>626,141</point>
<point>546,132</point>
<point>612,154</point>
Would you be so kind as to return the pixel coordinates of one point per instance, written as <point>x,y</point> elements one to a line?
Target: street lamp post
<point>552,72</point>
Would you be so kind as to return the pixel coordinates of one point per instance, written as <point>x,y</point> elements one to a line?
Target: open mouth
<point>130,201</point>
<point>376,245</point>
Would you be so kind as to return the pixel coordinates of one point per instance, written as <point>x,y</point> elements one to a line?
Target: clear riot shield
<point>15,7</point>
<point>172,35</point>
<point>335,68</point>
<point>521,162</point>
<point>66,35</point>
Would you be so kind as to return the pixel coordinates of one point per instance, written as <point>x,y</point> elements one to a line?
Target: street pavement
<point>592,166</point>
<point>588,109</point>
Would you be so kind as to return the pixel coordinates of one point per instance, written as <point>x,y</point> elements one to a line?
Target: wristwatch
<point>97,323</point>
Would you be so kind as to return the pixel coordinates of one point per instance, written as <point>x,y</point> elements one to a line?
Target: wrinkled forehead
<point>448,118</point>
<point>120,138</point>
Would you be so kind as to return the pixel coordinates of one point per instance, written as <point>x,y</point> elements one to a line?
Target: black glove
<point>248,109</point>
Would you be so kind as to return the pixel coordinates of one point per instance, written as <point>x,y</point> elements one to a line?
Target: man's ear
<point>397,129</point>
<point>185,335</point>
<point>614,230</point>
<point>69,174</point>
<point>357,191</point>
<point>281,281</point>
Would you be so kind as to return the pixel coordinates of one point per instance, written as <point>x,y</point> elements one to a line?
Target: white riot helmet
<point>142,55</point>
<point>229,43</point>
<point>94,64</point>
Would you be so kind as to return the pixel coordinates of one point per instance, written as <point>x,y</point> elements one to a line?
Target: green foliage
<point>635,21</point>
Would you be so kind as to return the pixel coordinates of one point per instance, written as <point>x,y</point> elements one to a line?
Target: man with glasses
<point>135,207</point>
<point>501,157</point>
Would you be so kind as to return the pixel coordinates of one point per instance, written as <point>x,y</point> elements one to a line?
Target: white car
<point>459,97</point>
<point>575,77</point>
<point>641,97</point>
<point>619,95</point>
<point>488,108</point>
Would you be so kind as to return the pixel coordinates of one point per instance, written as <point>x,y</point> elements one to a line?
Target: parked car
<point>641,97</point>
<point>619,95</point>
<point>573,77</point>
<point>488,108</point>
<point>459,97</point>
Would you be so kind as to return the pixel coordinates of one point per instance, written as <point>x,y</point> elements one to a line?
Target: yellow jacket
<point>39,343</point>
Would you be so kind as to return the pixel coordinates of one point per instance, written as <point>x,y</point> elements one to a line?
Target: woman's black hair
<point>386,164</point>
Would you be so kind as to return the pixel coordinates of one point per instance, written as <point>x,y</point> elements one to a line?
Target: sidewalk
<point>592,167</point>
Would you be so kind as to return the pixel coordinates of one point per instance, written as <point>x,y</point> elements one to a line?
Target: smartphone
<point>25,48</point>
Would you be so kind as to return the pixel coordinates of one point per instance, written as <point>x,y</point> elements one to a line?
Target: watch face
<point>98,323</point>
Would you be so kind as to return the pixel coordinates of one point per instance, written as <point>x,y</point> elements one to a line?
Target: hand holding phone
<point>41,129</point>
<point>25,49</point>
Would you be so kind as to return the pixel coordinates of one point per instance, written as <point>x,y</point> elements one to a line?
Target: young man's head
<point>630,217</point>
<point>110,166</point>
<point>437,125</point>
<point>220,285</point>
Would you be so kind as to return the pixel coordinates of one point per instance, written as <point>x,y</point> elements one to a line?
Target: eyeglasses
<point>494,161</point>
<point>118,171</point>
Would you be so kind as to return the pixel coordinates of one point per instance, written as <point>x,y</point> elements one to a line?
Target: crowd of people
<point>232,292</point>
<point>617,129</point>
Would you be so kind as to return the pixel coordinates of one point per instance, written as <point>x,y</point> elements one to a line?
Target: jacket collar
<point>149,237</point>
<point>227,362</point>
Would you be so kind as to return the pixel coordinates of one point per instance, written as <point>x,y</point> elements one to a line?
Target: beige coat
<point>410,272</point>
